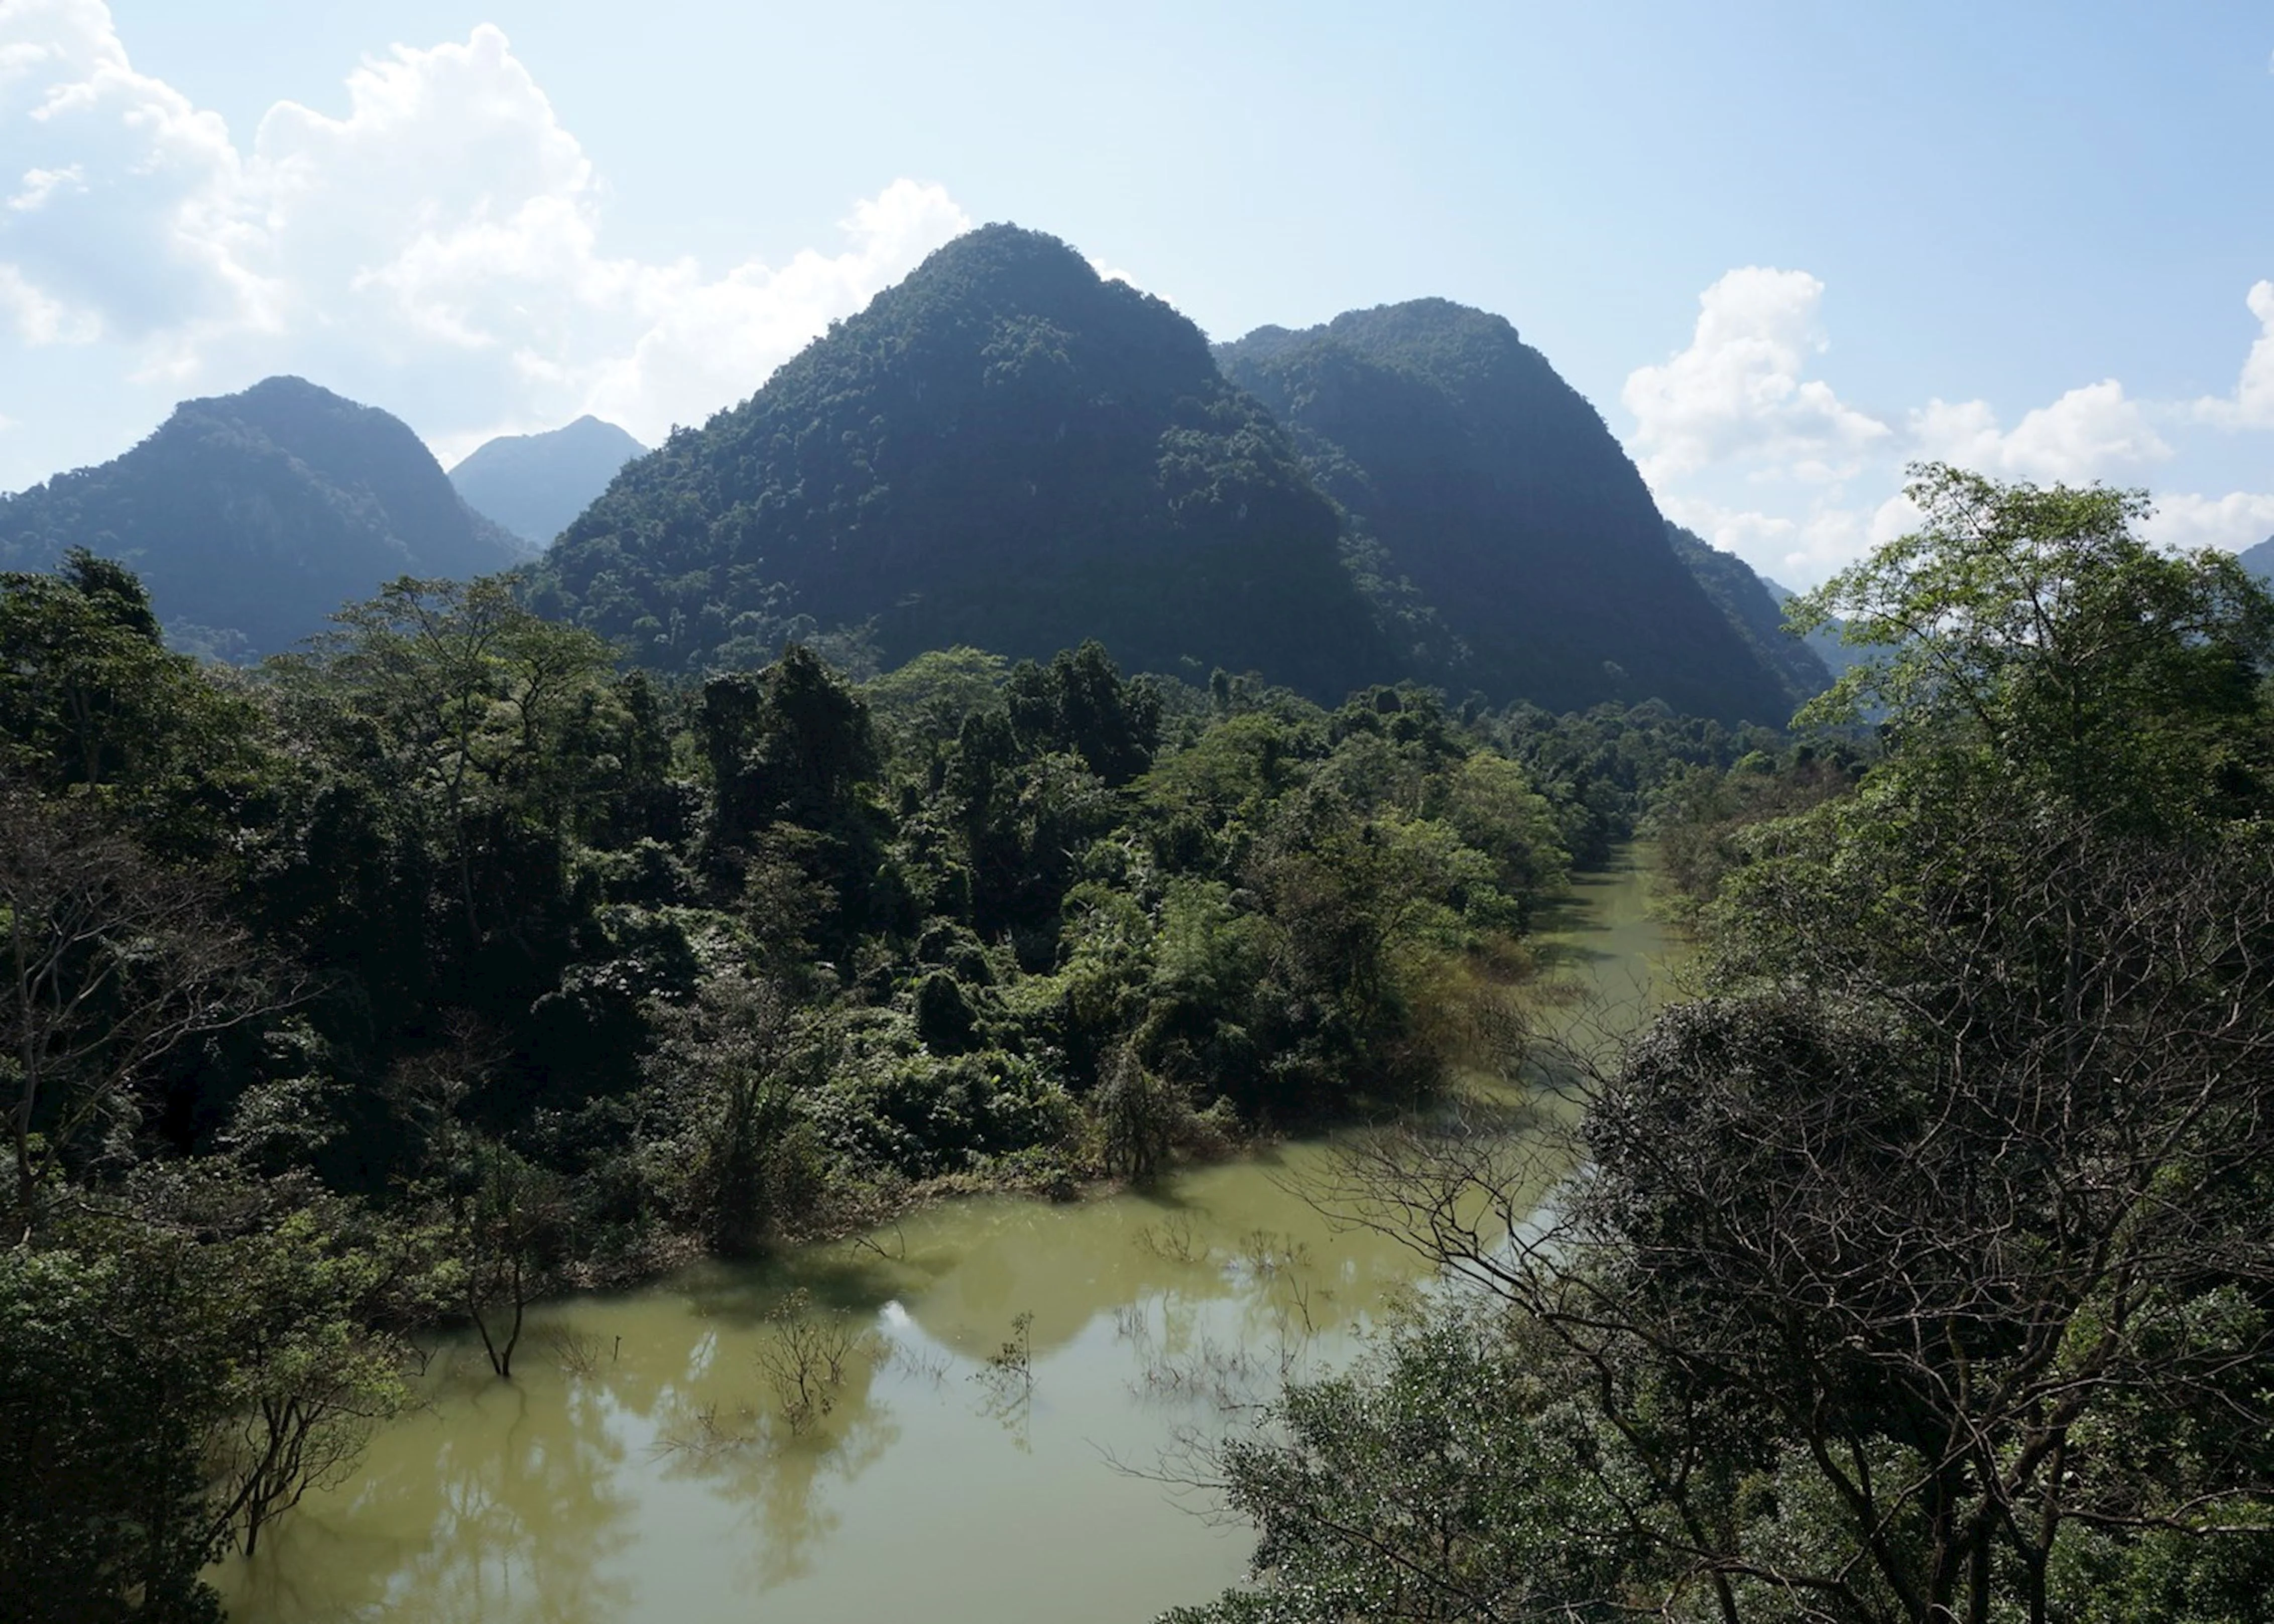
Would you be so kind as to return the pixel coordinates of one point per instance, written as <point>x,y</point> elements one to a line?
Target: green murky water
<point>645,1462</point>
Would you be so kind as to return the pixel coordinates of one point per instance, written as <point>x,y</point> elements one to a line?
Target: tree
<point>2032,635</point>
<point>107,1397</point>
<point>461,704</point>
<point>1923,1272</point>
<point>295,1307</point>
<point>494,1221</point>
<point>724,1117</point>
<point>112,963</point>
<point>92,703</point>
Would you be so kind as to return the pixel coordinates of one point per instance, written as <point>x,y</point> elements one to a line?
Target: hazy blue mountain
<point>1495,491</point>
<point>251,517</point>
<point>1004,450</point>
<point>1756,611</point>
<point>535,484</point>
<point>2259,560</point>
<point>1825,642</point>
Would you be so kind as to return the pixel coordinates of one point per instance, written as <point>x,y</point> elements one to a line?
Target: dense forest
<point>449,963</point>
<point>1022,750</point>
<point>251,517</point>
<point>1922,1268</point>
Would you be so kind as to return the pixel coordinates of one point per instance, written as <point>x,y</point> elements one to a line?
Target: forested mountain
<point>1005,451</point>
<point>1755,609</point>
<point>535,484</point>
<point>1489,485</point>
<point>2259,560</point>
<point>252,517</point>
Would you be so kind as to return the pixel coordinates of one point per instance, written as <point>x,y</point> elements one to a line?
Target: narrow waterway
<point>995,1360</point>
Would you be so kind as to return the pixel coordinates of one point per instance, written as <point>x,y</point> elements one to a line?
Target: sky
<point>1784,249</point>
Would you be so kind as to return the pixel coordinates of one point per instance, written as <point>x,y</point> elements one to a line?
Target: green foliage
<point>1921,1270</point>
<point>102,1434</point>
<point>91,703</point>
<point>444,965</point>
<point>1449,1476</point>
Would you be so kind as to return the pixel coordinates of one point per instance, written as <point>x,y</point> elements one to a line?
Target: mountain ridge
<point>1497,490</point>
<point>1005,450</point>
<point>251,517</point>
<point>1754,606</point>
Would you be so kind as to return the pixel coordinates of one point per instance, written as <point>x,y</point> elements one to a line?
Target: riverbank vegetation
<point>1923,1269</point>
<point>446,964</point>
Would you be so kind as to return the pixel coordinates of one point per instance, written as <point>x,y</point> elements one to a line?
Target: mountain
<point>1495,490</point>
<point>535,484</point>
<point>1825,642</point>
<point>252,517</point>
<point>2259,560</point>
<point>1004,450</point>
<point>1757,612</point>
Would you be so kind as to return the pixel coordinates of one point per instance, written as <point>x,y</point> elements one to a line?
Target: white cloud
<point>1737,395</point>
<point>2238,520</point>
<point>1795,550</point>
<point>2252,403</point>
<point>2090,432</point>
<point>1740,445</point>
<point>710,345</point>
<point>39,319</point>
<point>440,244</point>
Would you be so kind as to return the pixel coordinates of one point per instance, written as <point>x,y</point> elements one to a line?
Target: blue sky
<point>1784,248</point>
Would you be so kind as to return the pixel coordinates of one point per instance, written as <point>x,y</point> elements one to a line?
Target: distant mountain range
<point>1008,451</point>
<point>2259,560</point>
<point>252,517</point>
<point>1004,450</point>
<point>534,485</point>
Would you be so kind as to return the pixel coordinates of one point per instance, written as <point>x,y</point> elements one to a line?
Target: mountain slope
<point>1749,605</point>
<point>1826,641</point>
<point>1499,493</point>
<point>535,484</point>
<point>2259,560</point>
<point>251,517</point>
<point>1004,450</point>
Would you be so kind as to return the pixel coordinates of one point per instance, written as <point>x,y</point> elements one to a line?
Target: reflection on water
<point>992,1359</point>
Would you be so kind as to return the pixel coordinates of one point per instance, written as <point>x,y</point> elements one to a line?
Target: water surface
<point>997,1361</point>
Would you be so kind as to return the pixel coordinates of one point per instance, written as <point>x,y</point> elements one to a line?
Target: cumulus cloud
<point>1742,446</point>
<point>123,213</point>
<point>710,341</point>
<point>2252,403</point>
<point>2088,433</point>
<point>2238,520</point>
<point>1795,549</point>
<point>1737,393</point>
<point>439,242</point>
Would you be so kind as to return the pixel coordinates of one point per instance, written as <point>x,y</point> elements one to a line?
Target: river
<point>999,1362</point>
